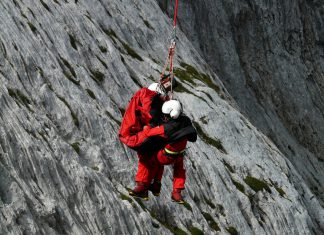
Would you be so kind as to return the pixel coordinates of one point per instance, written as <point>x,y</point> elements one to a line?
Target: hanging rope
<point>171,51</point>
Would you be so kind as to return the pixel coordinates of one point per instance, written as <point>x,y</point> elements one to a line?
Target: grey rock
<point>67,72</point>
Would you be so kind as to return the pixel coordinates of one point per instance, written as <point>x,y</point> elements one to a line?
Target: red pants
<point>152,167</point>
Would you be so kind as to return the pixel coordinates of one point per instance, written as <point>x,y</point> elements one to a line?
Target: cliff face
<point>67,72</point>
<point>269,55</point>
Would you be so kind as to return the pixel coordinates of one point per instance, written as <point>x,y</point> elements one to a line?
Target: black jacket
<point>174,130</point>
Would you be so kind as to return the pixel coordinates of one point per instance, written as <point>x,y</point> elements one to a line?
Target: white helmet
<point>173,108</point>
<point>157,88</point>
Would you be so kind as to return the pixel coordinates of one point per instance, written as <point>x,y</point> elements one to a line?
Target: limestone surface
<point>67,72</point>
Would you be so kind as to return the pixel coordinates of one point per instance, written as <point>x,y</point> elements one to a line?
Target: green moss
<point>239,186</point>
<point>97,75</point>
<point>187,206</point>
<point>131,51</point>
<point>208,140</point>
<point>211,221</point>
<point>189,73</point>
<point>68,65</point>
<point>256,184</point>
<point>140,202</point>
<point>103,49</point>
<point>229,167</point>
<point>70,77</point>
<point>76,147</point>
<point>181,88</point>
<point>95,168</point>
<point>126,198</point>
<point>110,33</point>
<point>73,42</point>
<point>195,231</point>
<point>280,191</point>
<point>232,230</point>
<point>20,97</point>
<point>177,231</point>
<point>32,27</point>
<point>210,203</point>
<point>91,94</point>
<point>74,116</point>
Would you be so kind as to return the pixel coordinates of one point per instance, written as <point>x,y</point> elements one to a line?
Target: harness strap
<point>172,152</point>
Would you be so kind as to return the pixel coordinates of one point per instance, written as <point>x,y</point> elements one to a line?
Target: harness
<point>174,154</point>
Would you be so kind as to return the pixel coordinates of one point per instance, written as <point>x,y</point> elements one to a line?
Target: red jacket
<point>139,113</point>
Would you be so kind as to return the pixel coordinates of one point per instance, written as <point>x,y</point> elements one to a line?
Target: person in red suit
<point>178,131</point>
<point>142,116</point>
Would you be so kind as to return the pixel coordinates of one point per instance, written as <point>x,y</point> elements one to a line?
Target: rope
<point>175,14</point>
<point>171,52</point>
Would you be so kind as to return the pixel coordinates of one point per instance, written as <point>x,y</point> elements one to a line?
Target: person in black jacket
<point>178,130</point>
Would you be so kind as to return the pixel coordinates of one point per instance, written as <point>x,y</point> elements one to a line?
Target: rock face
<point>269,55</point>
<point>68,70</point>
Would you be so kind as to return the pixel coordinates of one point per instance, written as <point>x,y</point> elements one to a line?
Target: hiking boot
<point>155,188</point>
<point>140,191</point>
<point>176,196</point>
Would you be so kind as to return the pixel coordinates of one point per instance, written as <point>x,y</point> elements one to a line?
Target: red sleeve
<point>146,102</point>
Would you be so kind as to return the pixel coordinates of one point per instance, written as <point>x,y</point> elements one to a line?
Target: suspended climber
<point>154,126</point>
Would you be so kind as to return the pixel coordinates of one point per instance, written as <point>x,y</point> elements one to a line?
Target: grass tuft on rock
<point>232,230</point>
<point>97,76</point>
<point>189,73</point>
<point>239,186</point>
<point>20,97</point>
<point>131,51</point>
<point>281,192</point>
<point>211,221</point>
<point>95,168</point>
<point>73,41</point>
<point>91,94</point>
<point>76,147</point>
<point>32,27</point>
<point>187,206</point>
<point>103,49</point>
<point>210,203</point>
<point>126,198</point>
<point>229,167</point>
<point>195,231</point>
<point>256,184</point>
<point>207,139</point>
